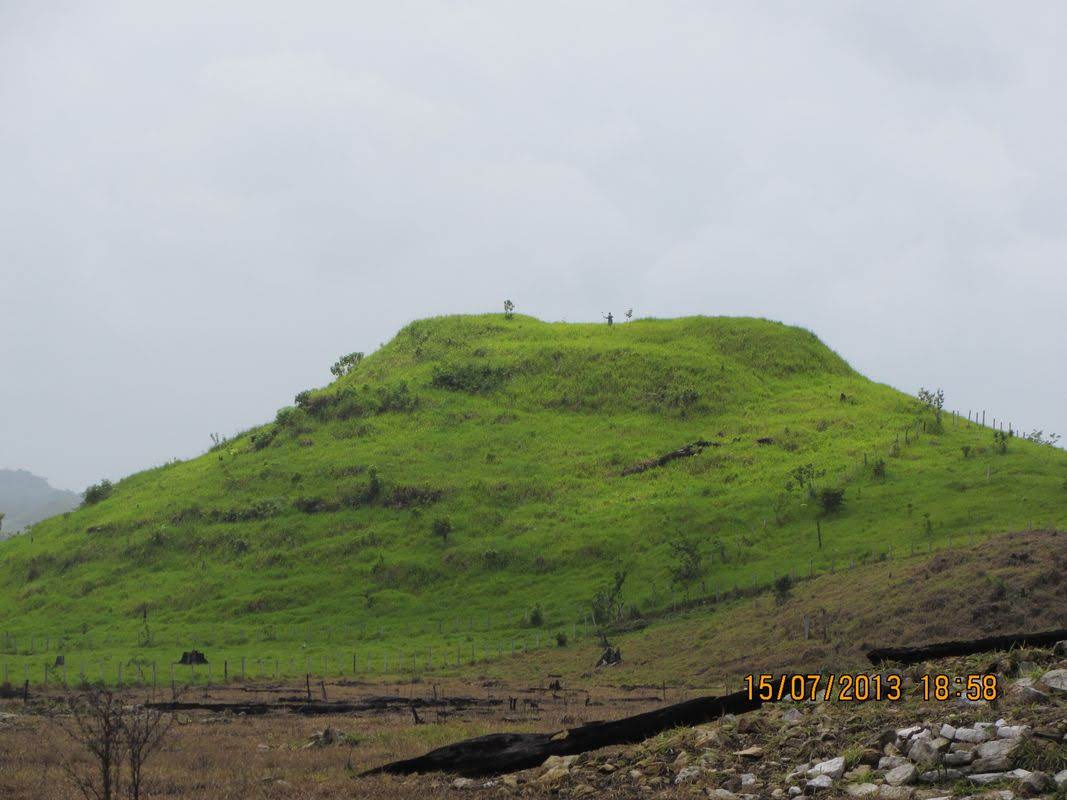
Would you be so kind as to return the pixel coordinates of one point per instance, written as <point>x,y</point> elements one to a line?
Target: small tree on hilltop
<point>1037,437</point>
<point>345,364</point>
<point>935,401</point>
<point>509,309</point>
<point>97,492</point>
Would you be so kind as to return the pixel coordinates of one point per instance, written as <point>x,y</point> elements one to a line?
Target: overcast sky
<point>203,204</point>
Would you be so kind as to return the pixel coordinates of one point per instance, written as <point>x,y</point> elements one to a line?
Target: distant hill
<point>26,498</point>
<point>480,481</point>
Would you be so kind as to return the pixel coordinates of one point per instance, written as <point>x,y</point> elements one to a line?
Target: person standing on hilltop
<point>610,319</point>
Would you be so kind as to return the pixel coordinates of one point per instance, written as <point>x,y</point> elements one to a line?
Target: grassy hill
<point>322,533</point>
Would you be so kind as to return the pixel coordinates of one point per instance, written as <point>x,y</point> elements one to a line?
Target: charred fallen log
<point>301,706</point>
<point>689,450</point>
<point>914,655</point>
<point>508,752</point>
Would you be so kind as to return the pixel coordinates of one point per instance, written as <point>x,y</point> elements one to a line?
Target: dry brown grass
<point>1015,582</point>
<point>225,755</point>
<point>1006,584</point>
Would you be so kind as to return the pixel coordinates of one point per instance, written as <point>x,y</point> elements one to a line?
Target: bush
<point>263,437</point>
<point>263,509</point>
<point>966,449</point>
<point>607,605</point>
<point>782,588</point>
<point>683,397</point>
<point>314,505</point>
<point>442,526</point>
<point>494,559</point>
<point>374,485</point>
<point>537,618</point>
<point>878,469</point>
<point>365,495</point>
<point>97,492</point>
<point>291,417</point>
<point>561,639</point>
<point>686,567</point>
<point>804,477</point>
<point>395,398</point>
<point>934,401</point>
<point>831,500</point>
<point>345,364</point>
<point>348,403</point>
<point>470,378</point>
<point>412,496</point>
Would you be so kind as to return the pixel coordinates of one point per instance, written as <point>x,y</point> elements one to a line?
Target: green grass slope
<point>314,535</point>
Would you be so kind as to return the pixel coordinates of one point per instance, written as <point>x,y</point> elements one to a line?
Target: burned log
<point>914,655</point>
<point>692,449</point>
<point>509,752</point>
<point>610,657</point>
<point>298,705</point>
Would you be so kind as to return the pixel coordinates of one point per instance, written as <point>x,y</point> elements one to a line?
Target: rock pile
<point>911,749</point>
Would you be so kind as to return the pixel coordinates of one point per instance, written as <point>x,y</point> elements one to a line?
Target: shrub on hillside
<point>263,437</point>
<point>607,604</point>
<point>537,617</point>
<point>97,492</point>
<point>1038,437</point>
<point>686,564</point>
<point>412,496</point>
<point>683,397</point>
<point>364,495</point>
<point>493,559</point>
<point>803,477</point>
<point>263,509</point>
<point>561,639</point>
<point>878,469</point>
<point>190,514</point>
<point>782,587</point>
<point>349,403</point>
<point>442,527</point>
<point>934,401</point>
<point>374,485</point>
<point>831,500</point>
<point>314,505</point>
<point>395,398</point>
<point>291,417</point>
<point>469,378</point>
<point>781,508</point>
<point>345,364</point>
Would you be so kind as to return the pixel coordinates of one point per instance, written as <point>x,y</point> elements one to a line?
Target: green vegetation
<point>471,470</point>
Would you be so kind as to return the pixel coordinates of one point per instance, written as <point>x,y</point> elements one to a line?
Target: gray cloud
<point>202,207</point>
